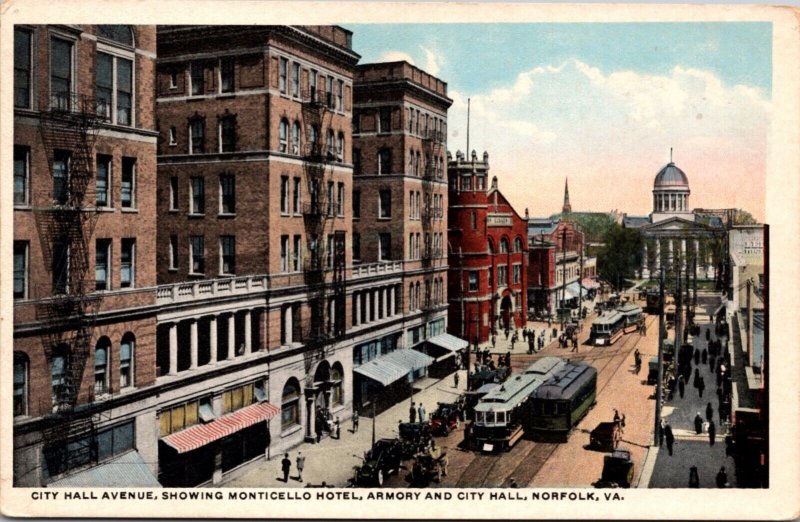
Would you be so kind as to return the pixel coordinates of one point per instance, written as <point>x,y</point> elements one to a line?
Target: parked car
<point>446,418</point>
<point>429,465</point>
<point>381,460</point>
<point>413,437</point>
<point>617,470</point>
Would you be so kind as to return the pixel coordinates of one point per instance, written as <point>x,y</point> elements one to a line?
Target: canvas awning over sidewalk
<point>393,366</point>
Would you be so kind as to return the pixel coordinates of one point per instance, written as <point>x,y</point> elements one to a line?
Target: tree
<point>620,256</point>
<point>743,217</point>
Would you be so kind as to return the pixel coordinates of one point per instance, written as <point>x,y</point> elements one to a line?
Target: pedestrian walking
<point>318,427</point>
<point>722,478</point>
<point>694,477</point>
<point>337,428</point>
<point>355,421</point>
<point>712,433</point>
<point>421,413</point>
<point>698,423</point>
<point>670,438</point>
<point>681,384</point>
<point>696,379</point>
<point>412,413</point>
<point>286,466</point>
<point>662,426</point>
<point>709,412</point>
<point>531,345</point>
<point>696,356</point>
<point>455,379</point>
<point>701,386</point>
<point>507,332</point>
<point>300,462</point>
<point>711,361</point>
<point>494,341</point>
<point>704,356</point>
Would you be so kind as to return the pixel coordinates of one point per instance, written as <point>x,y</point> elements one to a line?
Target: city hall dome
<point>671,176</point>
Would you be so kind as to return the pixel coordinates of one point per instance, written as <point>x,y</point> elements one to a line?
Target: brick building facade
<point>84,245</point>
<point>554,270</point>
<point>488,260</point>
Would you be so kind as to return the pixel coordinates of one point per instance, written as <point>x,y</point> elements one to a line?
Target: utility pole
<point>661,332</point>
<point>374,398</point>
<point>467,151</point>
<point>749,323</point>
<point>563,275</point>
<point>678,314</point>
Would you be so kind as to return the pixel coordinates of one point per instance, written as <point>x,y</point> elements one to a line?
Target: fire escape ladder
<point>65,224</point>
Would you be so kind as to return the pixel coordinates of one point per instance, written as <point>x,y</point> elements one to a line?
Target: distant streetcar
<point>501,415</point>
<point>634,316</point>
<point>563,400</point>
<point>607,329</point>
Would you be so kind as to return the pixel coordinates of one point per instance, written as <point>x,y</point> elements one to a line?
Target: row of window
<point>197,195</point>
<point>61,262</point>
<point>473,277</point>
<point>433,245</point>
<point>332,205</point>
<point>197,257</point>
<point>467,184</point>
<point>63,183</point>
<point>334,146</point>
<point>201,410</point>
<point>503,243</point>
<point>415,212</point>
<point>431,168</point>
<point>434,294</point>
<point>60,369</point>
<point>419,123</point>
<point>226,134</point>
<point>290,397</point>
<point>114,73</point>
<point>331,92</point>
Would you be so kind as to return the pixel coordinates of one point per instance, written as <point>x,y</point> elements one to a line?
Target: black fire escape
<point>431,255</point>
<point>324,267</point>
<point>65,224</point>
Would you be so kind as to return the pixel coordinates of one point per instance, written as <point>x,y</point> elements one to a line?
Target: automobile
<point>429,465</point>
<point>617,470</point>
<point>413,436</point>
<point>446,418</point>
<point>605,436</point>
<point>381,460</point>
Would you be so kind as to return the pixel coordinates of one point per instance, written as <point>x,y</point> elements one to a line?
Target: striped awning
<point>201,434</point>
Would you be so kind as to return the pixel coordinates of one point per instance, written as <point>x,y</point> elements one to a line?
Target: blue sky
<point>481,55</point>
<point>601,104</point>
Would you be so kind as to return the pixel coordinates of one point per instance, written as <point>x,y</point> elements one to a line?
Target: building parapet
<point>372,269</point>
<point>209,288</point>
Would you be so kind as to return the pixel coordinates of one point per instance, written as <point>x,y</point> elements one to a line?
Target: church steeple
<point>567,208</point>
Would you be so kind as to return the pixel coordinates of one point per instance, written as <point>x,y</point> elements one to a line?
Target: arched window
<point>21,368</point>
<point>417,300</point>
<point>117,33</point>
<point>503,245</point>
<point>126,351</point>
<point>411,163</point>
<point>290,404</point>
<point>518,244</point>
<point>101,352</point>
<point>337,378</point>
<point>296,138</point>
<point>283,134</point>
<point>410,296</point>
<point>491,246</point>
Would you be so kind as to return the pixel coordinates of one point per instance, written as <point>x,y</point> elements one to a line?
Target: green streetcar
<point>563,400</point>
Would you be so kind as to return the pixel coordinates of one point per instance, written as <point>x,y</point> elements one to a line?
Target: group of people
<point>415,410</point>
<point>721,478</point>
<point>325,421</point>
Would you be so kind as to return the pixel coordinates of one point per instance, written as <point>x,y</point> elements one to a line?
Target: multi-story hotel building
<point>84,253</point>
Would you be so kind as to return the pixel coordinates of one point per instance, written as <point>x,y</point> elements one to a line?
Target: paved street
<point>538,464</point>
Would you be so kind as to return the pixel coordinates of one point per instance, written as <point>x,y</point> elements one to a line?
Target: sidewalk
<point>332,460</point>
<point>692,449</point>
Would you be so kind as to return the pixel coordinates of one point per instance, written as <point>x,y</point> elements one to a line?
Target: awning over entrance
<point>201,434</point>
<point>572,290</point>
<point>590,284</point>
<point>393,366</point>
<point>449,342</point>
<point>129,470</point>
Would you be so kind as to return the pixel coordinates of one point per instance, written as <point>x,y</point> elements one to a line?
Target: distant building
<point>488,246</point>
<point>676,237</point>
<point>566,208</point>
<point>556,255</point>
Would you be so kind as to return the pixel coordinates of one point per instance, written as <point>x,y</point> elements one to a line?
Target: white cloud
<point>396,56</point>
<point>578,120</point>
<point>432,61</point>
